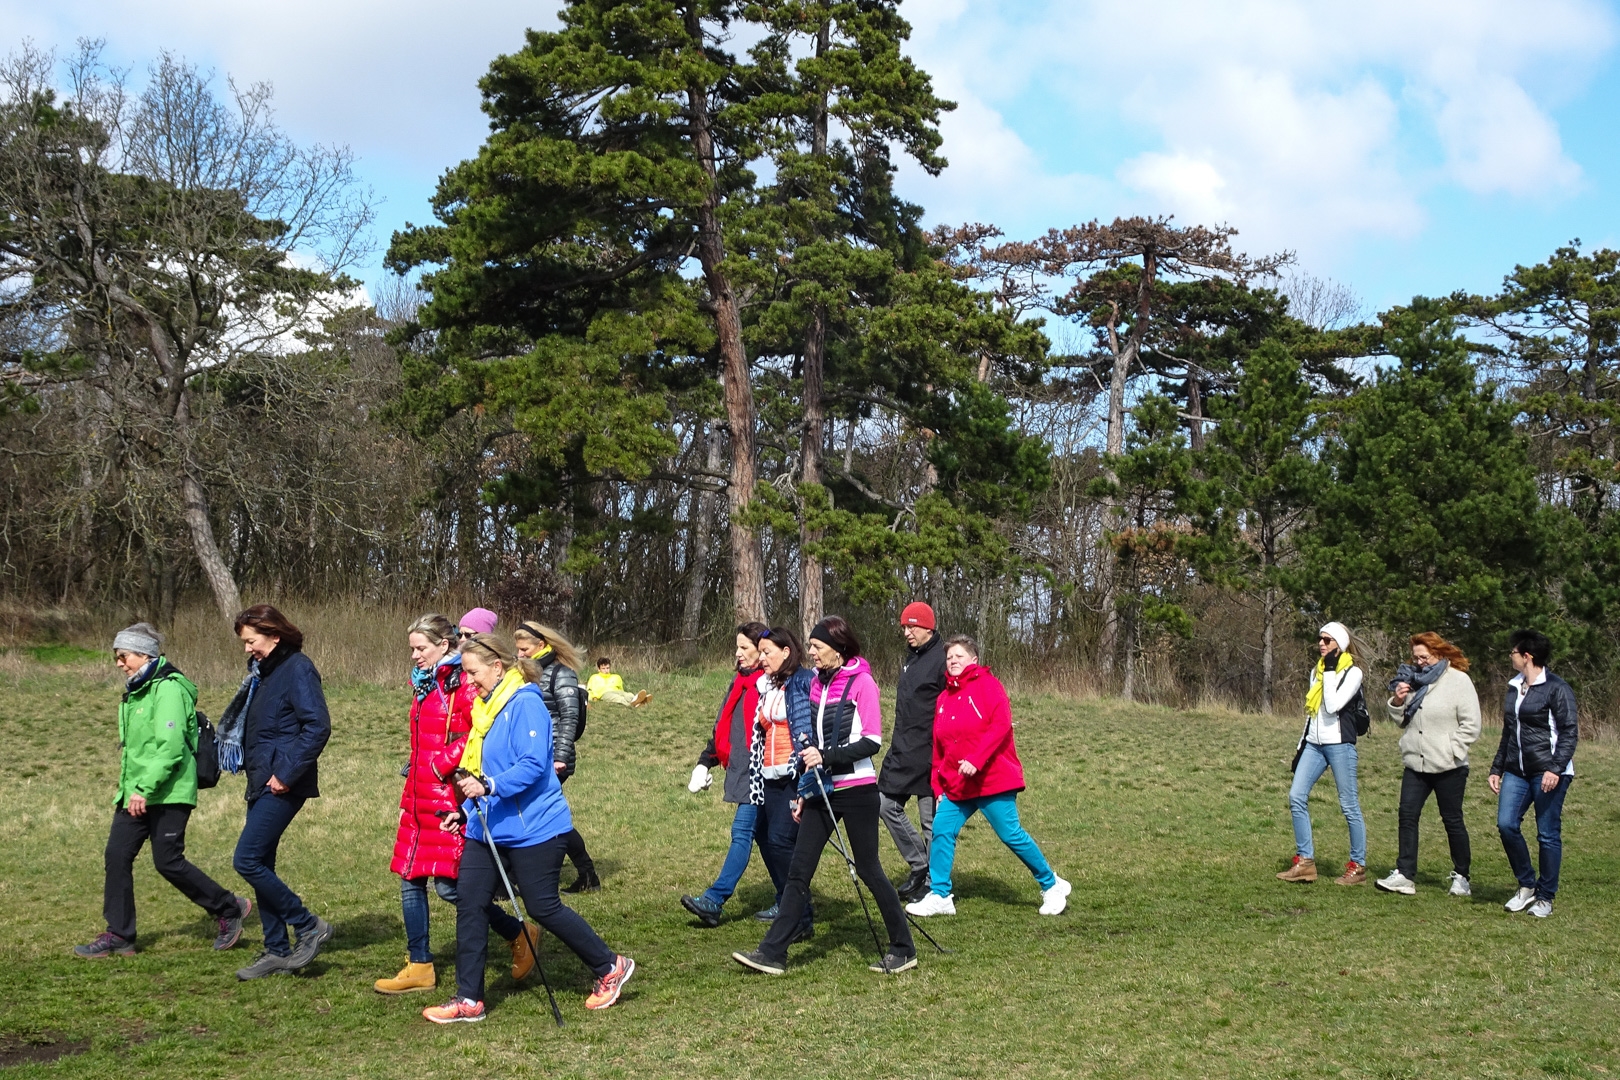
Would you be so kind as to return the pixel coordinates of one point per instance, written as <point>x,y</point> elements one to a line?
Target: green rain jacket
<point>157,731</point>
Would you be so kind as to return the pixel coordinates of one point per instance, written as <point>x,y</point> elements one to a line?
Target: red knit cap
<point>918,613</point>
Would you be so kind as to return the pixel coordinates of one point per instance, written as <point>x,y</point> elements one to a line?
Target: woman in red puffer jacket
<point>441,717</point>
<point>976,771</point>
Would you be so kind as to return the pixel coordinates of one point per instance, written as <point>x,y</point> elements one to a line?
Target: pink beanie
<point>479,620</point>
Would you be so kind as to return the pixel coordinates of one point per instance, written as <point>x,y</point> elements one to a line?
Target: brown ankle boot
<point>1303,871</point>
<point>412,978</point>
<point>1354,874</point>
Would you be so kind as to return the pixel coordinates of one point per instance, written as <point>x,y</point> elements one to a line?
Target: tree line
<point>672,351</point>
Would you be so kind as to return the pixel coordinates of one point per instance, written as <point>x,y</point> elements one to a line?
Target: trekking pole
<point>837,837</point>
<point>511,894</point>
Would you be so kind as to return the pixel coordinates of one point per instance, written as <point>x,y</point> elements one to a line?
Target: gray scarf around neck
<point>1419,679</point>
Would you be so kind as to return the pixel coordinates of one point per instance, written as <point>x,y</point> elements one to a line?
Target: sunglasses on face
<point>1326,641</point>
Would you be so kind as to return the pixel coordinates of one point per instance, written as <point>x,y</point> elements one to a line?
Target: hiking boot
<point>893,964</point>
<point>1460,886</point>
<point>230,926</point>
<point>105,944</point>
<point>455,1011</point>
<point>915,887</point>
<point>707,911</point>
<point>411,978</point>
<point>642,697</point>
<point>1541,908</point>
<point>758,961</point>
<point>933,904</point>
<point>1354,874</point>
<point>309,945</point>
<point>523,951</point>
<point>267,963</point>
<point>1521,899</point>
<point>1055,899</point>
<point>769,914</point>
<point>606,990</point>
<point>1397,882</point>
<point>1302,871</point>
<point>587,881</point>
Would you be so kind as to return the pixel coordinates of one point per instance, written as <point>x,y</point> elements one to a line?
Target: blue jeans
<point>279,907</point>
<point>1315,760</point>
<point>742,849</point>
<point>1517,795</point>
<point>1001,811</point>
<point>413,902</point>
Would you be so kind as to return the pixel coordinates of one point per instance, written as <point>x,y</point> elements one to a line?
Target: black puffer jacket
<point>1538,735</point>
<point>911,745</point>
<point>560,688</point>
<point>287,726</point>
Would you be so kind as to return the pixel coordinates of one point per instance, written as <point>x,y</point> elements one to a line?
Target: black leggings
<point>534,871</point>
<point>1448,793</point>
<point>857,807</point>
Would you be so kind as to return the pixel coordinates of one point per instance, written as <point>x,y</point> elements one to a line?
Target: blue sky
<point>1406,147</point>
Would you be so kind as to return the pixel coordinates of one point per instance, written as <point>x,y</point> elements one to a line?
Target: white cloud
<point>1306,124</point>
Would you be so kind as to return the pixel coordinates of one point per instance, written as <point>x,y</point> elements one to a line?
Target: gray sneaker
<point>309,945</point>
<point>1521,899</point>
<point>1460,886</point>
<point>1541,908</point>
<point>268,963</point>
<point>230,926</point>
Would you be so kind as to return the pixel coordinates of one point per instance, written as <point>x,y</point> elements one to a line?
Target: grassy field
<point>1180,955</point>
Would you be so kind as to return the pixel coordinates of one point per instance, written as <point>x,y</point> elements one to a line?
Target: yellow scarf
<point>484,712</point>
<point>1313,696</point>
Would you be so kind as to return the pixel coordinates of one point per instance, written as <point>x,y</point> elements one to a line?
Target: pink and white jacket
<point>848,723</point>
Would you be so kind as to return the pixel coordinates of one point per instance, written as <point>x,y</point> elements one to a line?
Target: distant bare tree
<point>1321,302</point>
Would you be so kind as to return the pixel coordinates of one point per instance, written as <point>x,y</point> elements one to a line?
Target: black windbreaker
<point>1539,735</point>
<point>907,765</point>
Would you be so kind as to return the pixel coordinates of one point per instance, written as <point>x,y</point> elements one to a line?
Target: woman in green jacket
<point>157,789</point>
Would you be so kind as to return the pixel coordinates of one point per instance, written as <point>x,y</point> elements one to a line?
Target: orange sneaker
<point>455,1011</point>
<point>607,988</point>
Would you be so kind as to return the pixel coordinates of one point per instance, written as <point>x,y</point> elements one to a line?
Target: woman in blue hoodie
<point>509,782</point>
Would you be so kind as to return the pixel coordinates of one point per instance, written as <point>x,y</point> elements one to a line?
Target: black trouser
<point>534,871</point>
<point>577,854</point>
<point>1448,793</point>
<point>165,826</point>
<point>857,807</point>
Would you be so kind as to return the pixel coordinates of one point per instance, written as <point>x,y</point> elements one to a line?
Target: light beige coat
<point>1446,725</point>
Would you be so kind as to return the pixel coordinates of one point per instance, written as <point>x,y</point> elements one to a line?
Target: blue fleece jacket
<point>527,807</point>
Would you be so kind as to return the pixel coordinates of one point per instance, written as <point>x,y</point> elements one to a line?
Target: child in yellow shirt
<point>606,686</point>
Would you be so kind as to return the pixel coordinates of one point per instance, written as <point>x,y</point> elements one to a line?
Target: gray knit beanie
<point>141,638</point>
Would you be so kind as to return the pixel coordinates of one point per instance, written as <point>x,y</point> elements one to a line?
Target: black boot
<point>587,881</point>
<point>915,886</point>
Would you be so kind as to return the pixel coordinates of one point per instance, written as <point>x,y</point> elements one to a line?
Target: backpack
<point>207,752</point>
<point>1356,712</point>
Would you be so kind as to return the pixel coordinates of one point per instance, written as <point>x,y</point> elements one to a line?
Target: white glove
<point>700,779</point>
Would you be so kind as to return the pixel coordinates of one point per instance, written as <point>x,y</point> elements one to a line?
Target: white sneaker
<point>1521,900</point>
<point>1397,882</point>
<point>933,904</point>
<point>1541,908</point>
<point>1055,899</point>
<point>1460,886</point>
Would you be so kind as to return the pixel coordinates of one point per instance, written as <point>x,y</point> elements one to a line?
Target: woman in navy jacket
<point>509,781</point>
<point>285,728</point>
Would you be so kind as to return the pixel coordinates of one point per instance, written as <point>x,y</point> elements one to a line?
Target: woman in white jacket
<point>1434,700</point>
<point>1329,742</point>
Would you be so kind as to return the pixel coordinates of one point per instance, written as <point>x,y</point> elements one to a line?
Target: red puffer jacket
<point>439,726</point>
<point>973,723</point>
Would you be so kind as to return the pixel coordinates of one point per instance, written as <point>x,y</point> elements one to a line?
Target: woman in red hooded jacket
<point>441,717</point>
<point>976,770</point>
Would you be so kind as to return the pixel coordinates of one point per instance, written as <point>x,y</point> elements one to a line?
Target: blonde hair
<point>435,627</point>
<point>491,649</point>
<point>570,656</point>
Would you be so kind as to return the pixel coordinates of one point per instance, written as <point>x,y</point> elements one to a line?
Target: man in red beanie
<point>907,766</point>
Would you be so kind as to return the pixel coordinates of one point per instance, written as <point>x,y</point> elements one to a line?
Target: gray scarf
<point>1419,679</point>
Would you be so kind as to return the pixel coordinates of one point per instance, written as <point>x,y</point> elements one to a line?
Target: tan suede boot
<point>1354,874</point>
<point>522,953</point>
<point>411,978</point>
<point>1303,871</point>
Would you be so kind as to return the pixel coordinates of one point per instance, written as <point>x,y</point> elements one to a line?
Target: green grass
<point>1180,955</point>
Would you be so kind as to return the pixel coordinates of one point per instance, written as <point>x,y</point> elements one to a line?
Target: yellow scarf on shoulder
<point>484,712</point>
<point>1313,696</point>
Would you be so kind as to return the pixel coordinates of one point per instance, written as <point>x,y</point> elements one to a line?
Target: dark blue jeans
<point>279,907</point>
<point>1517,796</point>
<point>413,902</point>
